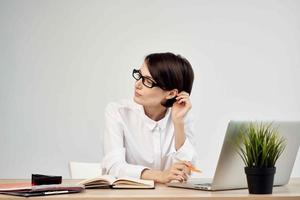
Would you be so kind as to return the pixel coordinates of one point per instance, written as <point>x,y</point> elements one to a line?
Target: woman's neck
<point>155,113</point>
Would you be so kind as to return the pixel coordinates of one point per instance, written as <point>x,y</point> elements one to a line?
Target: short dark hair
<point>170,72</point>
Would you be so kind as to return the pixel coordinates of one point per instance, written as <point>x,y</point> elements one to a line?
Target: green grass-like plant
<point>260,145</point>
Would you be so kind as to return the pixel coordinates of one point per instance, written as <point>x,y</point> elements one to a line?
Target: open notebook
<point>107,181</point>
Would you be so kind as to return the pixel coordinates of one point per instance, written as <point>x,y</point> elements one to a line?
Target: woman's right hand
<point>178,171</point>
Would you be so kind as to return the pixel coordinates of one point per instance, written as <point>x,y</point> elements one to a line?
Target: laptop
<point>230,174</point>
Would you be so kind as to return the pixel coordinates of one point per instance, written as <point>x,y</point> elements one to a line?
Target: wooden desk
<point>290,191</point>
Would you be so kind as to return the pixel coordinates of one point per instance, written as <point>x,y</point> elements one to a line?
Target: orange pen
<point>193,168</point>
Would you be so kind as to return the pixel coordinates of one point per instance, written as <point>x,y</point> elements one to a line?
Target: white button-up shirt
<point>134,142</point>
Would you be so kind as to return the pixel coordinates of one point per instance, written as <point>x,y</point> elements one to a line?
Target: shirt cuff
<point>185,152</point>
<point>135,170</point>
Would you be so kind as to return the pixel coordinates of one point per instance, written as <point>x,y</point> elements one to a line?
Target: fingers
<point>183,100</point>
<point>183,97</point>
<point>181,170</point>
<point>187,170</point>
<point>186,167</point>
<point>176,177</point>
<point>183,93</point>
<point>181,174</point>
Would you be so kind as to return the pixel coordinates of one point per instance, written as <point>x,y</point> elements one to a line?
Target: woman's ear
<point>172,94</point>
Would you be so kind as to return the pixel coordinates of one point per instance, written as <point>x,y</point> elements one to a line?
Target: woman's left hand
<point>181,107</point>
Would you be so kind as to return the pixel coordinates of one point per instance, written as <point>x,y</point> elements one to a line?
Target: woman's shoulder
<point>121,106</point>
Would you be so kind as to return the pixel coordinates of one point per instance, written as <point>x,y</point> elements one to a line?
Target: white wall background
<point>62,61</point>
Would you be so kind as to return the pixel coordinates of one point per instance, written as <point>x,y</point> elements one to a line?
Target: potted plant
<point>260,147</point>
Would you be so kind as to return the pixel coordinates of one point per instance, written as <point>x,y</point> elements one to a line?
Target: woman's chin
<point>137,100</point>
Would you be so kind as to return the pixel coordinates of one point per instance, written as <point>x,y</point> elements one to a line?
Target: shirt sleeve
<point>187,151</point>
<point>114,162</point>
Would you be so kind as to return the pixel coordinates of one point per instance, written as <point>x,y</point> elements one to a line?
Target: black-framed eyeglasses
<point>148,82</point>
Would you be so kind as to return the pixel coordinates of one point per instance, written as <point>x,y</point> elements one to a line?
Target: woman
<point>151,137</point>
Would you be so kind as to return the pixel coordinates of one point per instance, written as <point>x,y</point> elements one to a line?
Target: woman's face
<point>148,96</point>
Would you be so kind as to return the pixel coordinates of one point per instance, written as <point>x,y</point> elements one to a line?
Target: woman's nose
<point>138,84</point>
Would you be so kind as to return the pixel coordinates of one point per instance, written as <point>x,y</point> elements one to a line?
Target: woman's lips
<point>137,94</point>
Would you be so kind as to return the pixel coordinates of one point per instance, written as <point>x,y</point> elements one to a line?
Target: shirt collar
<point>151,124</point>
<point>163,122</point>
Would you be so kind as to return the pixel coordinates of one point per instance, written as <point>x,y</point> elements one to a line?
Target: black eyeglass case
<point>40,179</point>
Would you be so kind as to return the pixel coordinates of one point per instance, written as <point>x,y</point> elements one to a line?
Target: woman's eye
<point>148,81</point>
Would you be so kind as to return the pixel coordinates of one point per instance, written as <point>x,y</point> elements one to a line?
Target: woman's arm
<point>184,147</point>
<point>114,162</point>
<point>179,110</point>
<point>179,134</point>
